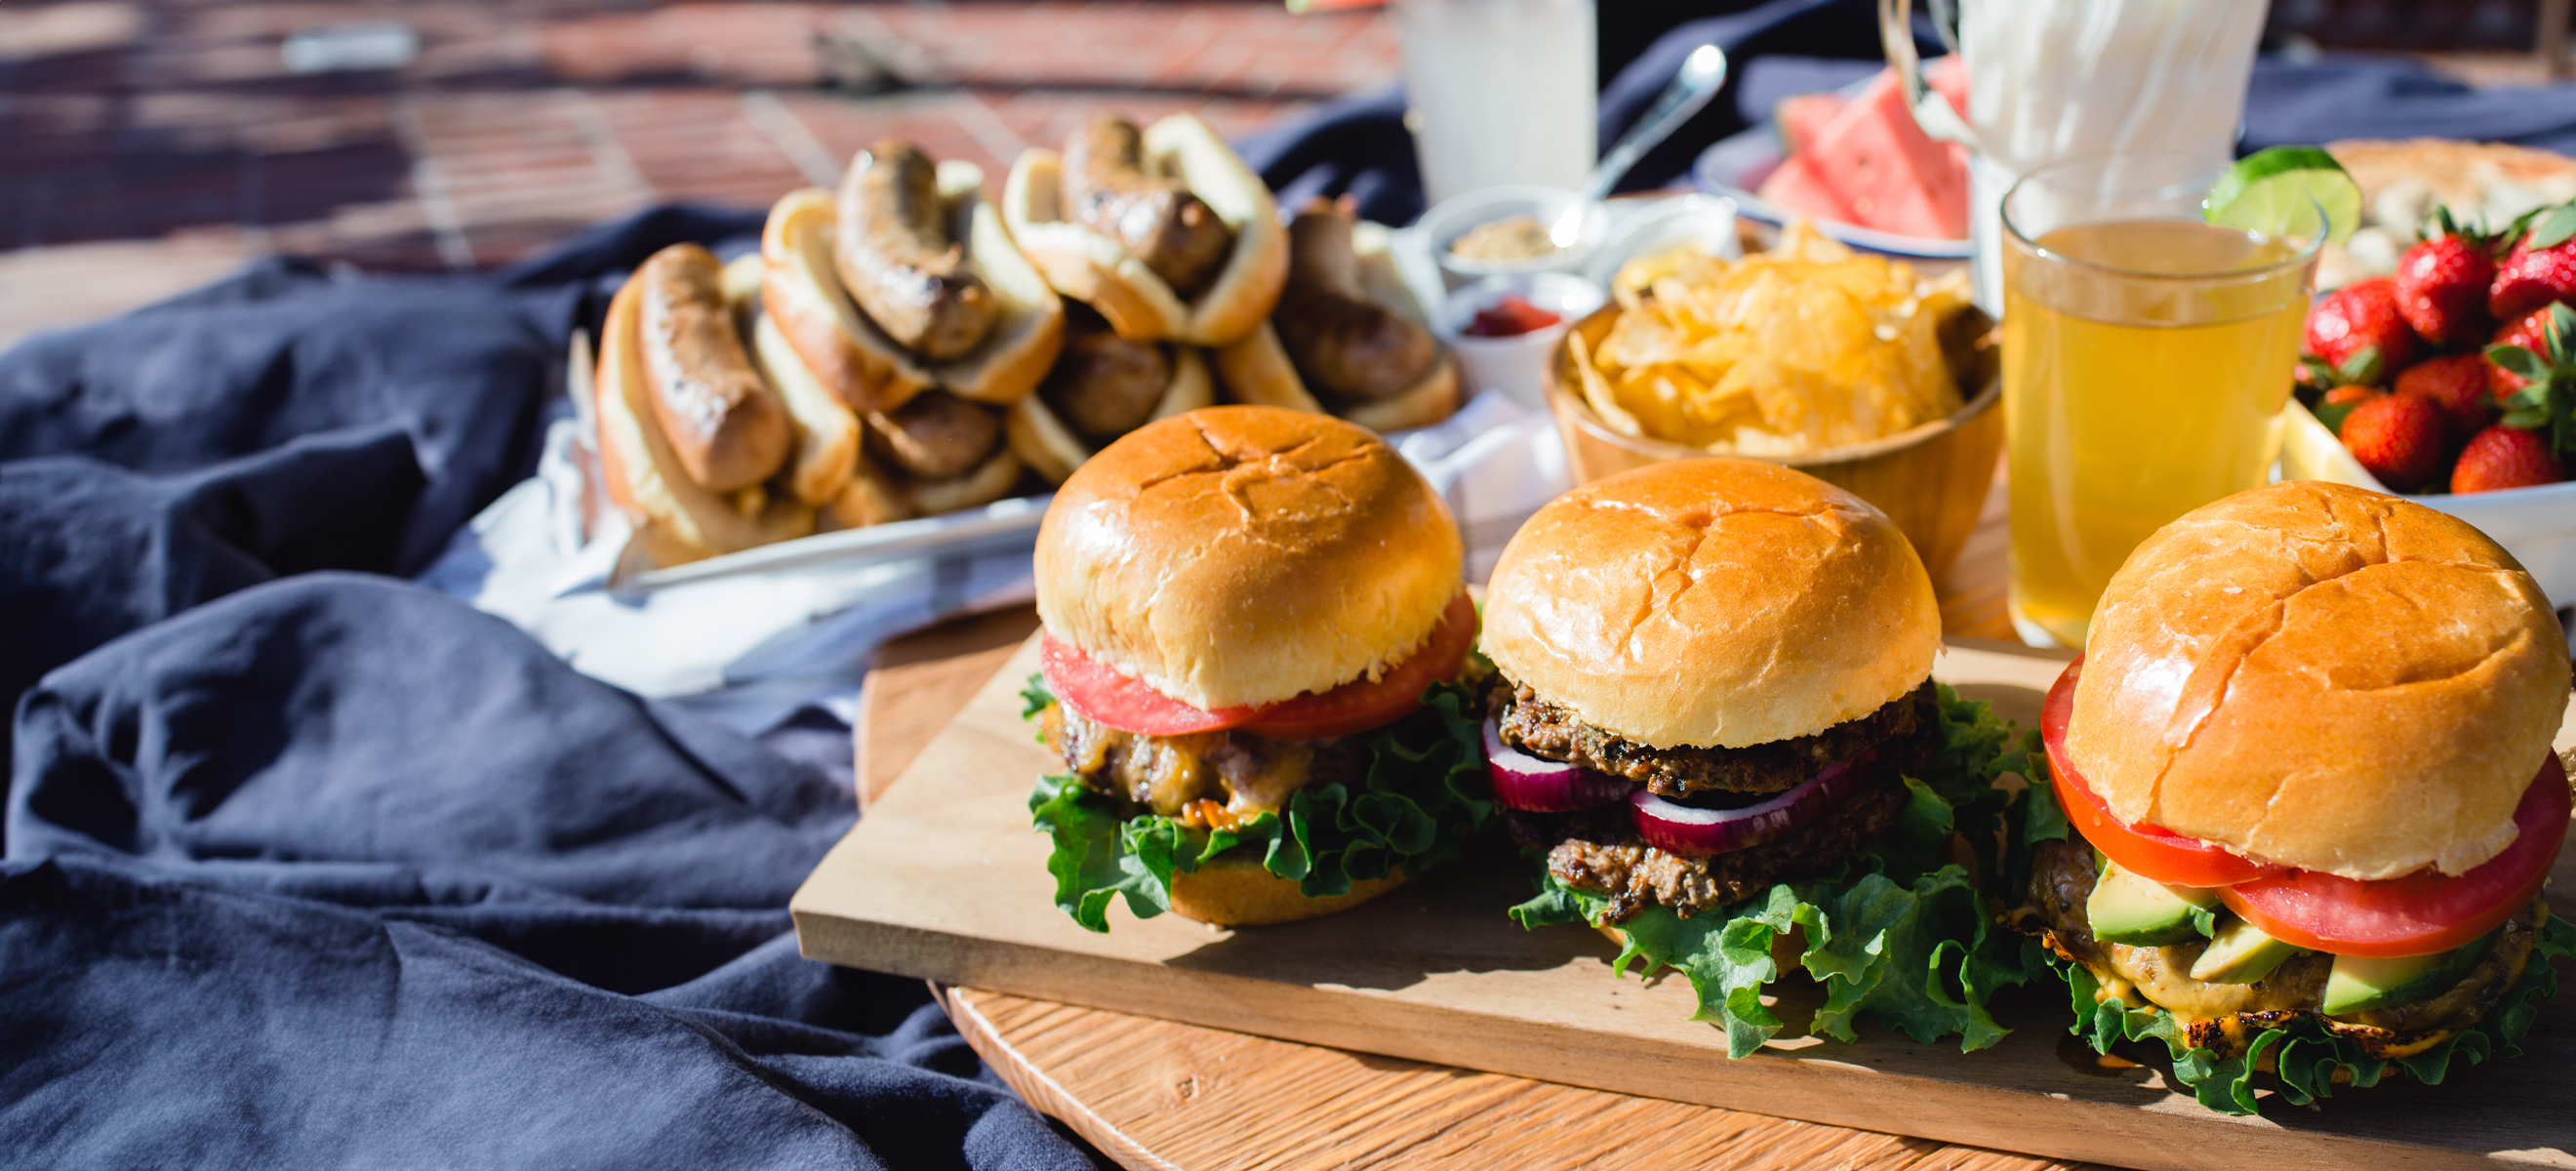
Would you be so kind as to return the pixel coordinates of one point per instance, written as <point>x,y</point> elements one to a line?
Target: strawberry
<point>2540,269</point>
<point>2339,402</point>
<point>2398,437</point>
<point>2358,330</point>
<point>2504,457</point>
<point>2458,385</point>
<point>2442,283</point>
<point>2528,331</point>
<point>2545,404</point>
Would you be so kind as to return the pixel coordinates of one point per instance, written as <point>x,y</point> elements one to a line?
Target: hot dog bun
<point>827,433</point>
<point>676,519</point>
<point>1100,271</point>
<point>857,360</point>
<point>877,494</point>
<point>1257,370</point>
<point>1052,450</point>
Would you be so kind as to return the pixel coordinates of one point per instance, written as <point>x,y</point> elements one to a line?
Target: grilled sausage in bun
<point>1164,231</point>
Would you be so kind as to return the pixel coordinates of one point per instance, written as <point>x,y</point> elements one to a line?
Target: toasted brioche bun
<point>1245,555</point>
<point>858,361</point>
<point>1092,268</point>
<point>1256,370</point>
<point>2323,677</point>
<point>1714,603</point>
<point>676,519</point>
<point>1234,891</point>
<point>1052,450</point>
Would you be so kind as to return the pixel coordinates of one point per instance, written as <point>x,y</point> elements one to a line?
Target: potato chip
<point>1596,391</point>
<point>1805,347</point>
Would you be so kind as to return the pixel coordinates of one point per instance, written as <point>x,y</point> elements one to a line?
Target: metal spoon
<point>1702,73</point>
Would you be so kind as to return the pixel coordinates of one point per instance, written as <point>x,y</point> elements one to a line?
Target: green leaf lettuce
<point>1424,793</point>
<point>1899,934</point>
<point>2307,1056</point>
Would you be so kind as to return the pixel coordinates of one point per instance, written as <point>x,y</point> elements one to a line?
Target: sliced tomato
<point>1128,704</point>
<point>1124,702</point>
<point>2420,913</point>
<point>1360,705</point>
<point>2150,851</point>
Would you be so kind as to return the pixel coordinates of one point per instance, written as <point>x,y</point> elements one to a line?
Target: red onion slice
<point>1680,829</point>
<point>1526,782</point>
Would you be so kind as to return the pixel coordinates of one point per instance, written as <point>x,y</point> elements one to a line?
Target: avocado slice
<point>2142,912</point>
<point>2240,954</point>
<point>2361,983</point>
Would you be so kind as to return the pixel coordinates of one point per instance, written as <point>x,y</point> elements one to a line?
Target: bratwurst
<point>1108,190</point>
<point>1344,344</point>
<point>728,430</point>
<point>1103,385</point>
<point>896,256</point>
<point>934,436</point>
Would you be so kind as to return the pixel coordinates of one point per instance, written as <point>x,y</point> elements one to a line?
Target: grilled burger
<point>1246,611</point>
<point>2306,765</point>
<point>1683,648</point>
<point>1713,723</point>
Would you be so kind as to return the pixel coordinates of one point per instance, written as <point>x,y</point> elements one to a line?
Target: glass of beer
<point>2147,355</point>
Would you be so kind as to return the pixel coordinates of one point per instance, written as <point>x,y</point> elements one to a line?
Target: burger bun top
<point>1712,603</point>
<point>2322,677</point>
<point>1236,556</point>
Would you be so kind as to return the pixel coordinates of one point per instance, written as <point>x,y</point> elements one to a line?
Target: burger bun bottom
<point>1237,892</point>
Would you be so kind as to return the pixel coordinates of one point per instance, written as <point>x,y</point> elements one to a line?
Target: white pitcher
<point>2051,80</point>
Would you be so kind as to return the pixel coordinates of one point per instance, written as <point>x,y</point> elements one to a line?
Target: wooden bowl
<point>1931,480</point>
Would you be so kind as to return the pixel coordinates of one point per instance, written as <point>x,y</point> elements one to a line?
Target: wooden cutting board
<point>945,880</point>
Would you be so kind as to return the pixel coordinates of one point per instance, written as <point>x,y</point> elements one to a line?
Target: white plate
<point>1003,526</point>
<point>2536,525</point>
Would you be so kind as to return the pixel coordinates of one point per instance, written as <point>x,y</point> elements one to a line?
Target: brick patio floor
<point>149,145</point>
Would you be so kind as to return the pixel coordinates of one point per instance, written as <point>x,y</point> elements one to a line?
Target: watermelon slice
<point>1796,186</point>
<point>1799,118</point>
<point>1893,176</point>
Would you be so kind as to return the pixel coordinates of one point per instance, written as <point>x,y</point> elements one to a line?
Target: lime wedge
<point>2270,191</point>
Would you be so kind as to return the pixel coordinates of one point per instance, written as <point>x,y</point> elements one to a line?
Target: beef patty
<point>1551,732</point>
<point>1598,850</point>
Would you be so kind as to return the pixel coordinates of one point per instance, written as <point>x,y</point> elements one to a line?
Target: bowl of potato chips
<point>1848,366</point>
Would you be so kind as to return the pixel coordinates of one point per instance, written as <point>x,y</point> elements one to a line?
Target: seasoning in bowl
<point>1511,317</point>
<point>1806,347</point>
<point>1519,237</point>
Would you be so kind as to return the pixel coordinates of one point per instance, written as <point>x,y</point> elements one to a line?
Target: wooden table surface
<point>1157,1094</point>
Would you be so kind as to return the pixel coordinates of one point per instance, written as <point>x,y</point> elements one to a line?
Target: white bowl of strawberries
<point>2455,382</point>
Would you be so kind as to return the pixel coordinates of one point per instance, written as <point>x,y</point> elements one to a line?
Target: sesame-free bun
<point>1245,555</point>
<point>1714,603</point>
<point>2322,677</point>
<point>1232,890</point>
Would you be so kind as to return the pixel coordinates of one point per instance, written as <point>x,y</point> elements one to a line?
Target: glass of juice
<point>2146,355</point>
